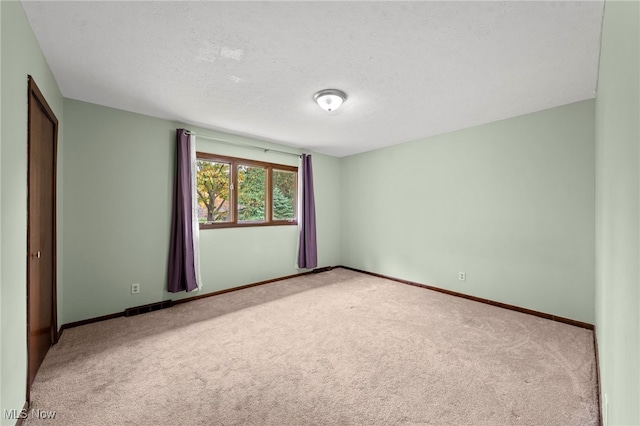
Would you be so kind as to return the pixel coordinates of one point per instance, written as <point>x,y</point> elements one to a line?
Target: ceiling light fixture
<point>330,99</point>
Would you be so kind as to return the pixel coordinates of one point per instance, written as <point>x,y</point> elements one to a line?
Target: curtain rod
<point>189,132</point>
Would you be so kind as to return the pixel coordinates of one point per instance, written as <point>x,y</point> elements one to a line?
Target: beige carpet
<point>335,348</point>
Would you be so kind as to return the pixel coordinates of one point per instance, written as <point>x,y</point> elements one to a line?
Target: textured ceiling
<point>410,69</point>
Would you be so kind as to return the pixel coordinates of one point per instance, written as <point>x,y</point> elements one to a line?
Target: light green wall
<point>510,203</point>
<point>118,185</point>
<point>618,212</point>
<point>21,56</point>
<point>269,251</point>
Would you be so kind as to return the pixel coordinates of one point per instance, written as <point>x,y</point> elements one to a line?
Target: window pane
<point>251,194</point>
<point>214,182</point>
<point>284,195</point>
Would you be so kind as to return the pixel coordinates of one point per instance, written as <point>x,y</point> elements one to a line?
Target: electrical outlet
<point>135,288</point>
<point>462,276</point>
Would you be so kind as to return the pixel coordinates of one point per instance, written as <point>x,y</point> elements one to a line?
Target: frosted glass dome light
<point>330,99</point>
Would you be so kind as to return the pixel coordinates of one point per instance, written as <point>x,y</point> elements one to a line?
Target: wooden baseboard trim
<point>242,287</point>
<point>481,300</point>
<point>89,321</point>
<point>598,382</point>
<point>190,299</point>
<point>428,287</point>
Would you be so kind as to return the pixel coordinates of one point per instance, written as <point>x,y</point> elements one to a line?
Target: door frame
<point>34,92</point>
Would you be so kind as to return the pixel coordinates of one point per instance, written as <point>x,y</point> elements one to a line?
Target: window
<point>238,192</point>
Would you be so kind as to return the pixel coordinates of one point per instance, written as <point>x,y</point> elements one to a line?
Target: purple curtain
<point>308,251</point>
<point>182,272</point>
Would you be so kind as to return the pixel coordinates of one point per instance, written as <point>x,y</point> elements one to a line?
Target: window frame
<point>234,162</point>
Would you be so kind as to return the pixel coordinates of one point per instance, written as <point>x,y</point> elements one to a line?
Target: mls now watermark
<point>34,413</point>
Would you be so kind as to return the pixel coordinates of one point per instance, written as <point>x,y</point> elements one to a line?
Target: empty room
<point>320,213</point>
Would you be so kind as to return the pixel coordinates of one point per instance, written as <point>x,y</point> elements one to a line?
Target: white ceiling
<point>410,69</point>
